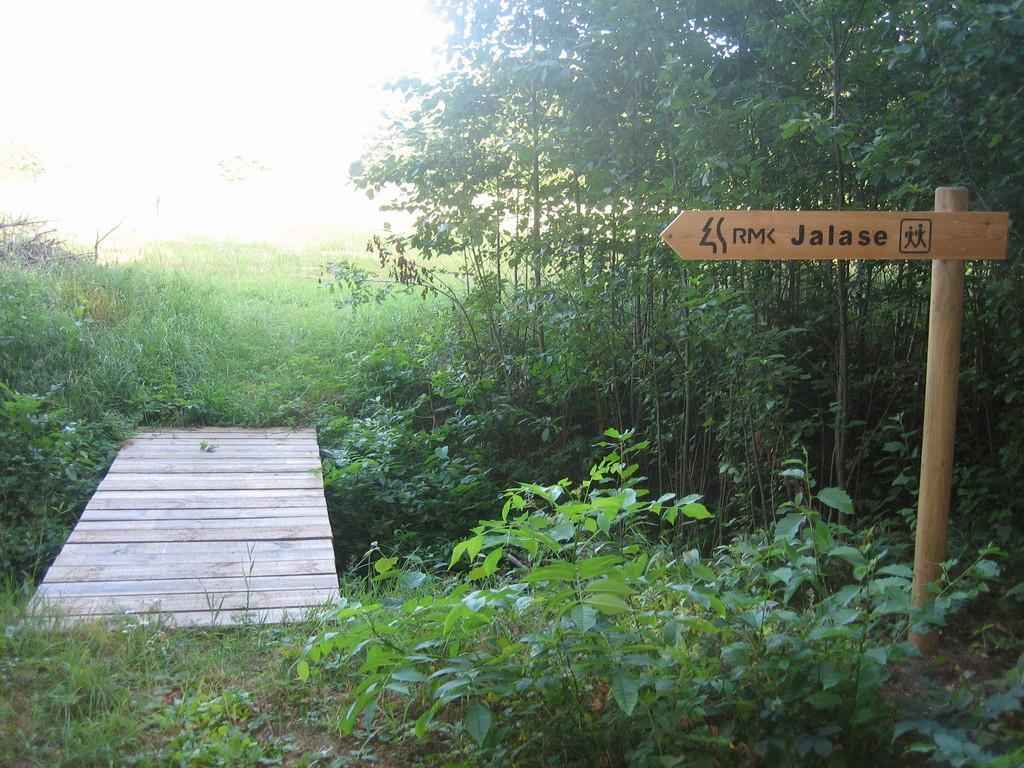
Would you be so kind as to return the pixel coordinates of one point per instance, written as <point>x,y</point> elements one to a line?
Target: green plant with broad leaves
<point>217,731</point>
<point>574,632</point>
<point>50,465</point>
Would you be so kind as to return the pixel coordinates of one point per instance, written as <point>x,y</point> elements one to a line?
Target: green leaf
<point>303,670</point>
<point>491,561</point>
<point>473,547</point>
<point>849,554</point>
<point>613,586</point>
<point>478,721</point>
<point>837,499</point>
<point>830,676</point>
<point>697,511</point>
<point>584,617</point>
<point>625,691</point>
<point>703,572</point>
<point>457,552</point>
<point>903,571</point>
<point>554,572</point>
<point>986,569</point>
<point>607,603</point>
<point>385,564</point>
<point>408,675</point>
<point>787,527</point>
<point>597,566</point>
<point>737,654</point>
<point>412,579</point>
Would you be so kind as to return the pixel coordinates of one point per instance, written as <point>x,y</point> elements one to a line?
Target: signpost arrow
<point>948,236</point>
<point>838,235</point>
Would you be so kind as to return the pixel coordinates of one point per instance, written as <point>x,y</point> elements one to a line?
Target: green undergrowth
<point>142,693</point>
<point>580,632</point>
<point>575,626</point>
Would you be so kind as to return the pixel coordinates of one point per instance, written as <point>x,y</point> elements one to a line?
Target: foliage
<point>391,482</point>
<point>563,137</point>
<point>51,465</point>
<point>216,732</point>
<point>571,639</point>
<point>978,724</point>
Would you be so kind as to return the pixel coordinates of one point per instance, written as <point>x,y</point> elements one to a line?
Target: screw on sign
<point>948,236</point>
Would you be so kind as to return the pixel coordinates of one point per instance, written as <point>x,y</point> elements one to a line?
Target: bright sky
<point>125,101</point>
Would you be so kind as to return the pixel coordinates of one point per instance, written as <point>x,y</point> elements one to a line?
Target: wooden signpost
<point>947,236</point>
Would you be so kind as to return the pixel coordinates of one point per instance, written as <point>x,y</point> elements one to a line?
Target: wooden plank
<point>55,590</point>
<point>220,482</point>
<point>287,532</point>
<point>191,618</point>
<point>196,465</point>
<point>299,497</point>
<point>229,432</point>
<point>211,493</point>
<point>201,551</point>
<point>310,431</point>
<point>206,525</point>
<point>190,569</point>
<point>196,601</point>
<point>251,432</point>
<point>240,561</point>
<point>242,618</point>
<point>215,447</point>
<point>242,513</point>
<point>838,235</point>
<point>180,448</point>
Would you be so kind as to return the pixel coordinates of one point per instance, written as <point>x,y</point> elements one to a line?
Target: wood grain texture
<point>197,465</point>
<point>206,584</point>
<point>193,451</point>
<point>208,499</point>
<point>204,537</point>
<point>128,533</point>
<point>206,433</point>
<point>236,513</point>
<point>196,601</point>
<point>162,551</point>
<point>942,376</point>
<point>222,618</point>
<point>180,481</point>
<point>186,570</point>
<point>813,235</point>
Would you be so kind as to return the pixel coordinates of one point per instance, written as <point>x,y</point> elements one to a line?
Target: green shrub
<point>579,635</point>
<point>389,481</point>
<point>51,466</point>
<point>218,732</point>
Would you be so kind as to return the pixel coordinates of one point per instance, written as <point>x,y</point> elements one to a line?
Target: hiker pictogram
<point>915,235</point>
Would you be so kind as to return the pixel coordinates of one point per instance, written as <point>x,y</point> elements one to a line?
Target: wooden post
<point>945,316</point>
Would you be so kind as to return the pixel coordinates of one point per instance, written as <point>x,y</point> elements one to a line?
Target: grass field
<point>193,332</point>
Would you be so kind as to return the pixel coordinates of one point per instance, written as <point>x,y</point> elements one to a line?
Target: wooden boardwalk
<point>205,526</point>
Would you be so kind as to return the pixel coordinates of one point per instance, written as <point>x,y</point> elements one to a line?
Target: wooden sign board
<point>838,235</point>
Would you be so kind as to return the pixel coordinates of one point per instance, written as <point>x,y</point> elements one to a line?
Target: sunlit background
<point>224,119</point>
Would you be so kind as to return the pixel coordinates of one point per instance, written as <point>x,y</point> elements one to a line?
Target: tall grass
<point>191,332</point>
